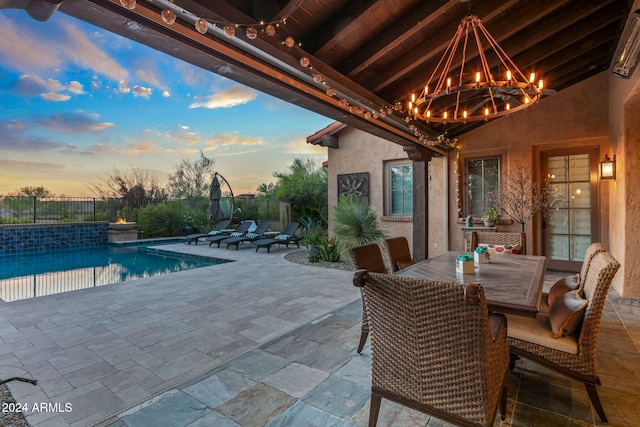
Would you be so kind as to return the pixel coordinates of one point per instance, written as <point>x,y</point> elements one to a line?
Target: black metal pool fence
<point>30,209</point>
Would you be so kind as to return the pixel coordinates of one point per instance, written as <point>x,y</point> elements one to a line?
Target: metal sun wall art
<point>354,184</point>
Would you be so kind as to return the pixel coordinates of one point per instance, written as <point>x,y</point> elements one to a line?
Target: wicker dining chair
<point>397,253</point>
<point>568,283</point>
<point>512,242</point>
<point>367,257</point>
<point>435,348</point>
<point>573,354</point>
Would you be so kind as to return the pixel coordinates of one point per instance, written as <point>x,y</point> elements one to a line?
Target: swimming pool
<point>45,273</point>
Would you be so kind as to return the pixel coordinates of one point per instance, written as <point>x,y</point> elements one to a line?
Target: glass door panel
<point>572,226</point>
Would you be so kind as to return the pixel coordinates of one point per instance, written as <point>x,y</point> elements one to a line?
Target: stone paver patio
<point>256,342</point>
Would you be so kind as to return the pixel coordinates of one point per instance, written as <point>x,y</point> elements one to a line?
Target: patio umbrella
<point>215,194</point>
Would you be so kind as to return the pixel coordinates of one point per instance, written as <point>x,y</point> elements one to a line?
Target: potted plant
<point>490,216</point>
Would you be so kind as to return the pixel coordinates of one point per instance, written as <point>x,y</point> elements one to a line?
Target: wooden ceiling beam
<point>324,38</point>
<point>418,56</point>
<point>569,36</point>
<point>391,37</point>
<point>529,35</point>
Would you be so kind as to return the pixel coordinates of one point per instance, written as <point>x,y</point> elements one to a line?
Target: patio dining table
<point>512,283</point>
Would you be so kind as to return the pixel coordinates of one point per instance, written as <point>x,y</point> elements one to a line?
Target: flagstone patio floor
<point>257,342</point>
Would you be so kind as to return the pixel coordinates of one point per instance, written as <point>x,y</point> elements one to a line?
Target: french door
<point>570,228</point>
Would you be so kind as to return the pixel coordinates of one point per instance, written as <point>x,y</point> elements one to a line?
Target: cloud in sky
<point>31,52</point>
<point>49,89</point>
<point>76,87</point>
<point>75,122</point>
<point>71,92</point>
<point>231,97</point>
<point>14,137</point>
<point>138,148</point>
<point>122,87</point>
<point>144,92</point>
<point>23,50</point>
<point>82,51</point>
<point>52,96</point>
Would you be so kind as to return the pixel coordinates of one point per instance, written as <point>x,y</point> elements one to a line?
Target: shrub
<point>356,224</point>
<point>163,220</point>
<point>328,250</point>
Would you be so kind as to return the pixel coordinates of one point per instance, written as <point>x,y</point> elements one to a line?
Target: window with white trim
<point>400,189</point>
<point>482,184</point>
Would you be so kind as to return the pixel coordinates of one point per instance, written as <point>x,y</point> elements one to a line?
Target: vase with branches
<point>522,199</point>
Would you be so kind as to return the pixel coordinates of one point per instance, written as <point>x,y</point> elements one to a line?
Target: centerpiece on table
<point>481,255</point>
<point>464,263</point>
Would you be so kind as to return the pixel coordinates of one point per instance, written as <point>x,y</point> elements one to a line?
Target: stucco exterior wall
<point>361,152</point>
<point>624,244</point>
<point>574,117</point>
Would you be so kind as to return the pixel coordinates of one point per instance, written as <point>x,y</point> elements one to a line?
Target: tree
<point>304,185</point>
<point>137,183</point>
<point>521,199</point>
<point>127,190</point>
<point>191,178</point>
<point>31,191</point>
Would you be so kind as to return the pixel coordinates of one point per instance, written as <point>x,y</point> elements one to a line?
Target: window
<point>401,189</point>
<point>482,184</point>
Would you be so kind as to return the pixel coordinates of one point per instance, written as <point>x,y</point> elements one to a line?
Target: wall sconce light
<point>626,57</point>
<point>608,167</point>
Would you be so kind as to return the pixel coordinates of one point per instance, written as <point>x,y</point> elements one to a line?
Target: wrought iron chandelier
<point>457,93</point>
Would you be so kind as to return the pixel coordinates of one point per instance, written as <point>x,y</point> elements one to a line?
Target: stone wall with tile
<point>18,238</point>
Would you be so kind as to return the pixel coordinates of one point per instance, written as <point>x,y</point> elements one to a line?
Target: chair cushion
<point>537,331</point>
<point>501,249</point>
<point>566,313</point>
<point>560,288</point>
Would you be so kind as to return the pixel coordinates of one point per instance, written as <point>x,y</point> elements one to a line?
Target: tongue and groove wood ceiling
<point>373,52</point>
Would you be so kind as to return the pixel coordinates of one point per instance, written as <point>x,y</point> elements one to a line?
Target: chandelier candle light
<point>453,95</point>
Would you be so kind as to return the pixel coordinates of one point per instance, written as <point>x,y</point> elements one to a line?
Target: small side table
<point>466,230</point>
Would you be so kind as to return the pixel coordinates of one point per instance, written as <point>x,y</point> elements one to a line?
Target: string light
<point>202,25</point>
<point>128,4</point>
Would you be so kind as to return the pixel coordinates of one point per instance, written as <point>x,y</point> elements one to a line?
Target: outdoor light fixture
<point>608,167</point>
<point>463,87</point>
<point>625,59</point>
<point>41,10</point>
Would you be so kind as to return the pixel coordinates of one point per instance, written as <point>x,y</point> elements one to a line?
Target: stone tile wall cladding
<point>22,238</point>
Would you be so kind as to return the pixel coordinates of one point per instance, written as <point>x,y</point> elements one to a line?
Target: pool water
<point>45,273</point>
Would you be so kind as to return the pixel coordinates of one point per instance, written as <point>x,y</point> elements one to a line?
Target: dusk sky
<point>77,101</point>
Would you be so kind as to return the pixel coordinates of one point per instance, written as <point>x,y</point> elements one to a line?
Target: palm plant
<point>356,224</point>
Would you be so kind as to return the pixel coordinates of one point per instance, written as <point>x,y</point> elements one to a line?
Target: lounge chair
<point>258,233</point>
<point>217,232</point>
<point>240,231</point>
<point>286,237</point>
